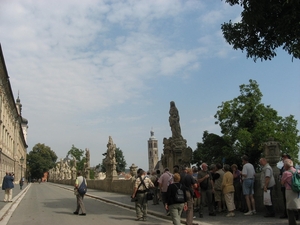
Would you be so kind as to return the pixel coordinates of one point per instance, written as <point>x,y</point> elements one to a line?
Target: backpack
<point>295,185</point>
<point>82,189</point>
<point>156,184</point>
<point>179,196</point>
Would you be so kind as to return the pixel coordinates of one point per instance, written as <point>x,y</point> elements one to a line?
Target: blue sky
<point>87,70</point>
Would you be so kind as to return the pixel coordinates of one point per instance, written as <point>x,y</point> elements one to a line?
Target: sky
<point>87,70</point>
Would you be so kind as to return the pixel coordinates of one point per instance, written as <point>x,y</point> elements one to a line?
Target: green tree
<point>213,149</point>
<point>246,124</point>
<point>121,162</point>
<point>78,154</point>
<point>264,27</point>
<point>40,160</point>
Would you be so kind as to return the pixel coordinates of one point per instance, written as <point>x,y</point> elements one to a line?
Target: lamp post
<point>21,180</point>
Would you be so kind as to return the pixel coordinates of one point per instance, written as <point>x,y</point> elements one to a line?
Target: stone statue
<point>88,158</point>
<point>74,162</point>
<point>174,121</point>
<point>175,150</point>
<point>110,160</point>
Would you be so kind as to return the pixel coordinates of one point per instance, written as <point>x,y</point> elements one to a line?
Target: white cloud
<point>89,69</point>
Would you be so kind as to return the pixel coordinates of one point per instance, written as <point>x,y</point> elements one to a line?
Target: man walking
<point>165,179</point>
<point>79,197</point>
<point>267,182</point>
<point>189,184</point>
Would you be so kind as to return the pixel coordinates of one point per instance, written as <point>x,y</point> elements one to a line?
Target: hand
<point>185,207</point>
<point>166,207</point>
<point>265,189</point>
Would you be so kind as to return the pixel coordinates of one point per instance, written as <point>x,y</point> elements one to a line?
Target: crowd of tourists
<point>220,188</point>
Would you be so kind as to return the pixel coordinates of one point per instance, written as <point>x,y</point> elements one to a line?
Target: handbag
<point>267,198</point>
<point>150,195</point>
<point>133,199</point>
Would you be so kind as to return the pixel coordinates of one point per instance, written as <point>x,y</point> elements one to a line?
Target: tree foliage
<point>213,149</point>
<point>121,162</point>
<point>246,124</point>
<point>40,160</point>
<point>265,26</point>
<point>78,155</point>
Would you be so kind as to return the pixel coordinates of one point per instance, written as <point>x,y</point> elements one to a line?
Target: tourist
<point>237,186</point>
<point>196,190</point>
<point>228,190</point>
<point>154,178</point>
<point>21,182</point>
<point>248,175</point>
<point>175,208</point>
<point>165,179</point>
<point>7,186</point>
<point>189,184</point>
<point>141,187</point>
<point>218,179</point>
<point>283,157</point>
<point>79,197</point>
<point>267,182</point>
<point>292,198</point>
<point>206,189</point>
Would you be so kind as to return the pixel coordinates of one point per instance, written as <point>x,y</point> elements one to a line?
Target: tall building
<point>13,129</point>
<point>152,152</point>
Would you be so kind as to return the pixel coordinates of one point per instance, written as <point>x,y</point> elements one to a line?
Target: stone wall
<point>118,186</point>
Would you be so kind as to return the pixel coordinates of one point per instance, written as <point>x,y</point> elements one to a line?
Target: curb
<point>8,206</point>
<point>150,212</point>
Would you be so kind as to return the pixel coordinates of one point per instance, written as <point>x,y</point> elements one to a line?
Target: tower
<point>24,122</point>
<point>152,151</point>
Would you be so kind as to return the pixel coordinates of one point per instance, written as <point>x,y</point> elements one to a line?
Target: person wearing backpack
<point>141,187</point>
<point>292,197</point>
<point>79,196</point>
<point>176,200</point>
<point>267,182</point>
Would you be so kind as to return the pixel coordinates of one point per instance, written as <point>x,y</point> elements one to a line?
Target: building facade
<point>13,129</point>
<point>152,152</point>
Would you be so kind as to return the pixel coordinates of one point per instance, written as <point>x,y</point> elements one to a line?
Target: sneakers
<point>231,214</point>
<point>250,213</point>
<point>254,212</point>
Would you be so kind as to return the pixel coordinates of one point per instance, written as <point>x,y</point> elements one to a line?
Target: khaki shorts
<point>218,196</point>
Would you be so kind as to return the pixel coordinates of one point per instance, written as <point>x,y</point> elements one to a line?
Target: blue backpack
<point>295,185</point>
<point>82,188</point>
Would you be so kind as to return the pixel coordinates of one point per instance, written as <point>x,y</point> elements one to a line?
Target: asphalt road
<point>51,204</point>
<point>48,205</point>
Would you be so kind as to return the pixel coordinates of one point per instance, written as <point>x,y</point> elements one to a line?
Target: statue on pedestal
<point>133,171</point>
<point>87,163</point>
<point>175,150</point>
<point>110,160</point>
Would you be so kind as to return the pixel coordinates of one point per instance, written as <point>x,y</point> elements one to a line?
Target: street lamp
<point>21,161</point>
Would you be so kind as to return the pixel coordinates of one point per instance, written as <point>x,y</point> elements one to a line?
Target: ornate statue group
<point>62,171</point>
<point>65,170</point>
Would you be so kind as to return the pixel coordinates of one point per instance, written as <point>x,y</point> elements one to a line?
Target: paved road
<point>48,203</point>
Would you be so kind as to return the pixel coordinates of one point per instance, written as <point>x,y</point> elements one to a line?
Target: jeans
<point>206,198</point>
